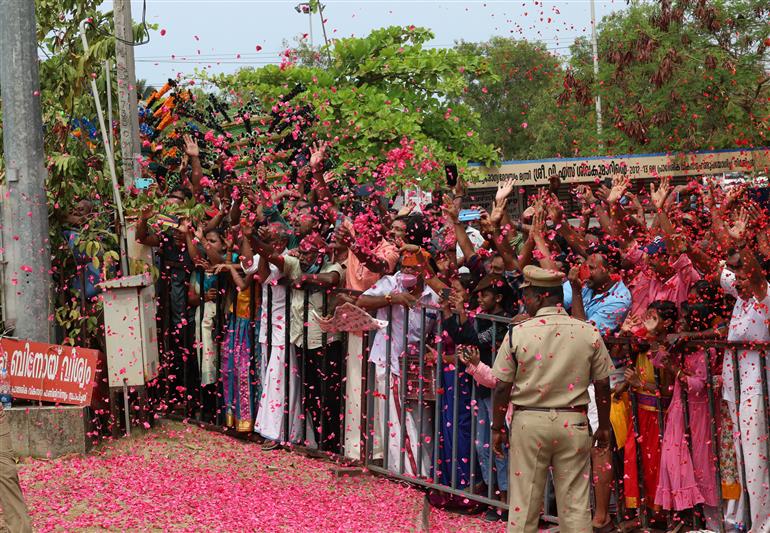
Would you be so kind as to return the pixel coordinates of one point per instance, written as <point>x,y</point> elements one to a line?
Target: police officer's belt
<point>577,409</point>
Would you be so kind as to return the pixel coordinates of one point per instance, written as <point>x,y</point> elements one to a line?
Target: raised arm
<point>538,235</point>
<point>193,152</point>
<point>451,213</point>
<point>756,277</point>
<point>143,233</point>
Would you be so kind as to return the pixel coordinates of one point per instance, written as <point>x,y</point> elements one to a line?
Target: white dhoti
<point>204,342</point>
<point>356,367</point>
<point>753,426</point>
<point>272,403</point>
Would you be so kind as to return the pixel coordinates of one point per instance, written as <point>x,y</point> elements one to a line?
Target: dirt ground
<point>183,478</point>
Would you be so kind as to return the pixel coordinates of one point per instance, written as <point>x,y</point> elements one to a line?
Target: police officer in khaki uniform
<point>544,367</point>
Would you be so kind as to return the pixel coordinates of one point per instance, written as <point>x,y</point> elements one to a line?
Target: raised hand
<point>660,195</point>
<point>486,225</point>
<point>602,193</point>
<point>733,194</point>
<point>185,227</point>
<point>191,146</point>
<point>496,216</point>
<point>407,209</point>
<point>318,155</point>
<point>537,229</point>
<point>554,208</point>
<point>620,185</point>
<point>504,190</point>
<point>738,229</point>
<point>264,234</point>
<point>451,211</point>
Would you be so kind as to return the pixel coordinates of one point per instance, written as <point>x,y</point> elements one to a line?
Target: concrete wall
<point>49,432</point>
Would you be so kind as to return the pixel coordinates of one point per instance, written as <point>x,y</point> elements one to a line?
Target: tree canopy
<point>379,92</point>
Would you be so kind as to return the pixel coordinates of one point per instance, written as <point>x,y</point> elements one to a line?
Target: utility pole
<point>130,149</point>
<point>26,253</point>
<point>595,50</point>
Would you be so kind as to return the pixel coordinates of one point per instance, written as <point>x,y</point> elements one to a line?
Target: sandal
<point>269,445</point>
<point>609,527</point>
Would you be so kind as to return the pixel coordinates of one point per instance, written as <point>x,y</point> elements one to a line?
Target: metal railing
<point>420,406</point>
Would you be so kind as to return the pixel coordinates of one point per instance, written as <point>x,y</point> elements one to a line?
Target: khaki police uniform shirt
<point>556,358</point>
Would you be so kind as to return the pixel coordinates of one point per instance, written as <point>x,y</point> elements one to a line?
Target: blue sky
<point>210,34</point>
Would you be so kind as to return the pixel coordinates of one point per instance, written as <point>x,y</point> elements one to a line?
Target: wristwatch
<point>389,298</point>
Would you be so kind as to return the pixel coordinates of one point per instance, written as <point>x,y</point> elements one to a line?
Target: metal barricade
<point>422,382</point>
<point>405,431</point>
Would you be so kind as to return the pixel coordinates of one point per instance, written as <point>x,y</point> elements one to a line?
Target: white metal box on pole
<point>130,330</point>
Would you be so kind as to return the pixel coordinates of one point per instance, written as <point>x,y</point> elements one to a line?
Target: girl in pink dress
<point>686,479</point>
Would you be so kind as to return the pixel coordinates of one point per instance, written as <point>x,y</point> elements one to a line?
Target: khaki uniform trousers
<point>540,440</point>
<point>14,509</point>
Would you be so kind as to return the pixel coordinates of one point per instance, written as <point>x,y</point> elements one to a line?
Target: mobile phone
<point>445,293</point>
<point>467,215</point>
<point>143,183</point>
<point>451,174</point>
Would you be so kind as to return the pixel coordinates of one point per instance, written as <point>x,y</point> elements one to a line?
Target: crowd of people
<point>243,292</point>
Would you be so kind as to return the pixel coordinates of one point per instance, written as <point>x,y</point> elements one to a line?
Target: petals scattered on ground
<point>182,478</point>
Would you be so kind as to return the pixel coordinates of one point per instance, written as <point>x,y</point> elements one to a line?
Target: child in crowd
<point>688,466</point>
<point>650,393</point>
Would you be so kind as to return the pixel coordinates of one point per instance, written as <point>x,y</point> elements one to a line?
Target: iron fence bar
<point>737,389</point>
<point>437,395</point>
<point>324,374</point>
<point>386,421</point>
<point>490,450</point>
<point>370,418</point>
<point>288,360</point>
<point>342,379</point>
<point>766,398</point>
<point>302,368</point>
<point>253,366</point>
<point>641,500</point>
<point>659,404</point>
<point>684,399</point>
<point>713,431</point>
<point>269,322</point>
<point>421,386</point>
<point>220,382</point>
<point>455,416</point>
<point>474,438</point>
<point>364,395</point>
<point>404,365</point>
<point>429,485</point>
<point>199,351</point>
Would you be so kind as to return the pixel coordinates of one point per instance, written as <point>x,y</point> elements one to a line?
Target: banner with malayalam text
<point>639,166</point>
<point>50,372</point>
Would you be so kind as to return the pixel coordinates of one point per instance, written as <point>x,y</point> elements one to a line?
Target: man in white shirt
<point>743,279</point>
<point>391,296</point>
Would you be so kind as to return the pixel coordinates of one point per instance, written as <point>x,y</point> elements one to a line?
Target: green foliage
<point>521,75</point>
<point>75,161</point>
<point>678,75</point>
<point>377,91</point>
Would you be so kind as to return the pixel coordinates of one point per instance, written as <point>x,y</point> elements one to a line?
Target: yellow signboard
<point>643,166</point>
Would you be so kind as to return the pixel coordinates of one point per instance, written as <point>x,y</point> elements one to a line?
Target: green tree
<point>678,75</point>
<point>378,91</point>
<point>521,74</point>
<point>73,145</point>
